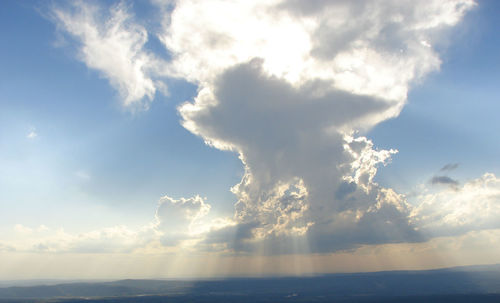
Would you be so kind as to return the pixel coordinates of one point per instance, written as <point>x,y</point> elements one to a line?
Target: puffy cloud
<point>281,220</point>
<point>366,47</point>
<point>19,228</point>
<point>452,211</point>
<point>287,85</point>
<point>297,165</point>
<point>177,224</point>
<point>113,44</point>
<point>180,219</point>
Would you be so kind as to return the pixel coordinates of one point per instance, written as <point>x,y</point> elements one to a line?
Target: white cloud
<point>32,134</point>
<point>365,47</point>
<point>113,44</point>
<point>177,224</point>
<point>460,209</point>
<point>82,174</point>
<point>106,240</point>
<point>280,221</point>
<point>6,248</point>
<point>180,219</point>
<point>287,84</point>
<point>22,229</point>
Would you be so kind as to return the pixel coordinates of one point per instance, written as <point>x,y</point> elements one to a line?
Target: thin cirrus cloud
<point>289,86</point>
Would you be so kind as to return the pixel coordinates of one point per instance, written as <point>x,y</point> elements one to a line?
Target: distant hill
<point>390,285</point>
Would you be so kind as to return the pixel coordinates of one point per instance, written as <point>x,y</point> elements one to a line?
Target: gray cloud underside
<point>443,180</point>
<point>449,167</point>
<point>283,133</point>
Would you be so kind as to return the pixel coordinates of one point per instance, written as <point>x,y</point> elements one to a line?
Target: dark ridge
<point>464,282</point>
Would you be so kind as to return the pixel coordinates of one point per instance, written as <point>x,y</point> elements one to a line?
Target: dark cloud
<point>344,189</point>
<point>444,180</point>
<point>300,184</point>
<point>449,167</point>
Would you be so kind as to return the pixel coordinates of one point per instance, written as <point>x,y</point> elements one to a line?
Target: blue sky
<point>453,110</point>
<point>133,158</point>
<point>77,160</point>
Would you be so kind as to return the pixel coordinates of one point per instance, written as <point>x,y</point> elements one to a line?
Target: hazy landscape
<point>464,284</point>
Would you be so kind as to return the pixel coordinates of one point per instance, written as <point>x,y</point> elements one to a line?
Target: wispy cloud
<point>82,174</point>
<point>32,134</point>
<point>449,167</point>
<point>113,44</point>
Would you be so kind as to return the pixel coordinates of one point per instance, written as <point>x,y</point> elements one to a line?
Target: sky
<point>218,138</point>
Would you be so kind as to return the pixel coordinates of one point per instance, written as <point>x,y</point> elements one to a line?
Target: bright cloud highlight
<point>287,85</point>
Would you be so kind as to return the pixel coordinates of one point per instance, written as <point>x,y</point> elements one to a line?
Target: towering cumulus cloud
<point>289,86</point>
